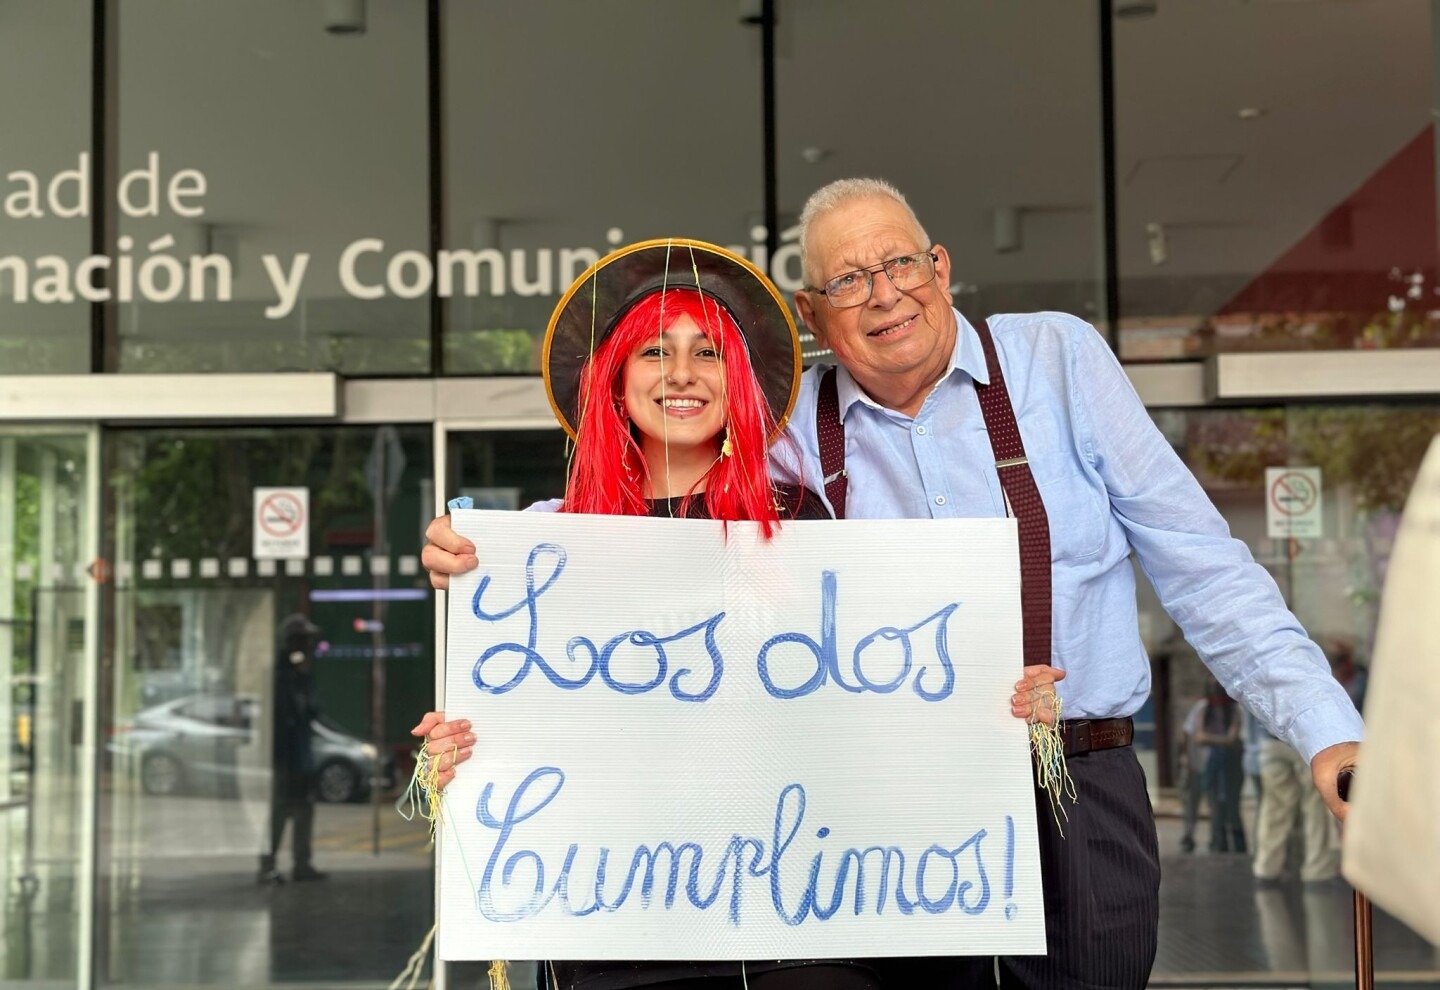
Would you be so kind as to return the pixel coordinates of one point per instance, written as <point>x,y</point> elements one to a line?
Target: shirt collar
<point>968,356</point>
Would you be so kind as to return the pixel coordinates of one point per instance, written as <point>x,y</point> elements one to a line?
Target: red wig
<point>607,471</point>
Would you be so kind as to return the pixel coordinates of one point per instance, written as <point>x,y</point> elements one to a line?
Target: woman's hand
<point>1034,698</point>
<point>446,553</point>
<point>449,744</point>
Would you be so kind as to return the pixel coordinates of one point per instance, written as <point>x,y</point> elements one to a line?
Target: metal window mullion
<point>1109,208</point>
<point>440,441</point>
<point>87,878</point>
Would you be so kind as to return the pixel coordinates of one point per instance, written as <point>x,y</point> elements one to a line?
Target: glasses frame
<point>874,270</point>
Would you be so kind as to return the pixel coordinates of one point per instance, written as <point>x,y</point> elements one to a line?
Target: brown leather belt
<point>1089,735</point>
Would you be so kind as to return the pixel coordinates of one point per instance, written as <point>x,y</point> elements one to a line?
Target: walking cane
<point>1364,939</point>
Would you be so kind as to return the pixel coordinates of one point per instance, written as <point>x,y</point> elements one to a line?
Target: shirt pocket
<point>1078,511</point>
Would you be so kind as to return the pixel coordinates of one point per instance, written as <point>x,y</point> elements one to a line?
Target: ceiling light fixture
<point>1157,242</point>
<point>1007,229</point>
<point>345,17</point>
<point>1251,113</point>
<point>1134,10</point>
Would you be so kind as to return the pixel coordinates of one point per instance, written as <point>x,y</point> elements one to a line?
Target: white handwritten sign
<point>696,744</point>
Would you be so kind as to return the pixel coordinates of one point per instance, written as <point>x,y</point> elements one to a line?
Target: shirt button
<point>920,430</point>
<point>939,499</point>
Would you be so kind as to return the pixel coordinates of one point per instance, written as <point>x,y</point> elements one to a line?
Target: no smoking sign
<point>282,523</point>
<point>1293,502</point>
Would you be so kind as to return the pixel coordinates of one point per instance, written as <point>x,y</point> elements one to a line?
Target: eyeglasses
<point>854,288</point>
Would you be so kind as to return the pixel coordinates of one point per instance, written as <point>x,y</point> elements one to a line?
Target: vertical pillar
<point>444,483</point>
<point>52,798</point>
<point>1108,207</point>
<point>87,690</point>
<point>8,727</point>
<point>1434,103</point>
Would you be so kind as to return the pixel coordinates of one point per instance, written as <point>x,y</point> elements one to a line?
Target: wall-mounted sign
<point>282,523</point>
<point>1292,502</point>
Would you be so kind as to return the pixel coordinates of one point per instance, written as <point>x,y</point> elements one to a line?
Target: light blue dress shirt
<point>1112,485</point>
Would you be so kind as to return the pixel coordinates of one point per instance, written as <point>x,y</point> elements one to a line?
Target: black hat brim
<point>595,303</point>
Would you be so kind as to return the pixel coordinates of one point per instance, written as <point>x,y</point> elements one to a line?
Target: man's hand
<point>1034,698</point>
<point>449,743</point>
<point>1325,769</point>
<point>446,553</point>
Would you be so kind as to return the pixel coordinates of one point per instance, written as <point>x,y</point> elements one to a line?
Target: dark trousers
<point>290,804</point>
<point>1102,893</point>
<point>1224,780</point>
<point>1192,793</point>
<point>817,977</point>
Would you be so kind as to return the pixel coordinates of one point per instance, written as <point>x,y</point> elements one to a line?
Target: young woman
<point>674,365</point>
<point>674,406</point>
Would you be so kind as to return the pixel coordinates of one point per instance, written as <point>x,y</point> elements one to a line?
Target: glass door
<point>1265,904</point>
<point>270,649</point>
<point>49,601</point>
<point>507,465</point>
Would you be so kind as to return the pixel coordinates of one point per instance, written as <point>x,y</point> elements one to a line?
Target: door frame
<point>445,483</point>
<point>88,543</point>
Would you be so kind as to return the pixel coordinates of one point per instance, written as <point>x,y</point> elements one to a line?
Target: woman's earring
<point>726,447</point>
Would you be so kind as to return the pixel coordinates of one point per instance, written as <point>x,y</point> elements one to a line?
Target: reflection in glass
<point>1286,916</point>
<point>507,469</point>
<point>45,102</point>
<point>303,168</point>
<point>260,708</point>
<point>990,127</point>
<point>42,694</point>
<point>1244,224</point>
<point>587,147</point>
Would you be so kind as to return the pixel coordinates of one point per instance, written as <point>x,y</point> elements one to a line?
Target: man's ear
<point>806,307</point>
<point>942,269</point>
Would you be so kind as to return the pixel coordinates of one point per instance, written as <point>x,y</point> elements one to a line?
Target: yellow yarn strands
<point>1048,747</point>
<point>660,339</point>
<point>422,795</point>
<point>727,448</point>
<point>499,978</point>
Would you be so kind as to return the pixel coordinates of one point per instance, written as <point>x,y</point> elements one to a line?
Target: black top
<point>793,503</point>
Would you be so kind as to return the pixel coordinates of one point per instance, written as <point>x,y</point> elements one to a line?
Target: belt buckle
<point>1079,736</point>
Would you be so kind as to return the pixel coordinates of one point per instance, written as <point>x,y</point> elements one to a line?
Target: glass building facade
<point>312,246</point>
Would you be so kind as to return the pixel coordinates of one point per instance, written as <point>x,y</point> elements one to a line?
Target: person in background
<point>292,783</point>
<point>1286,793</point>
<point>1219,736</point>
<point>1352,677</point>
<point>1252,732</point>
<point>1192,774</point>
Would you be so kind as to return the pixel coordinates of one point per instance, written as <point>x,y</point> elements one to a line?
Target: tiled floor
<point>192,920</point>
<point>1219,928</point>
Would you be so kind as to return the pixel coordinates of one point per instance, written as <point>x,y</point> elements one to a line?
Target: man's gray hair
<point>841,191</point>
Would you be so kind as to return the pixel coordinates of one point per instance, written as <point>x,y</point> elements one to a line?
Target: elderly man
<point>929,416</point>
